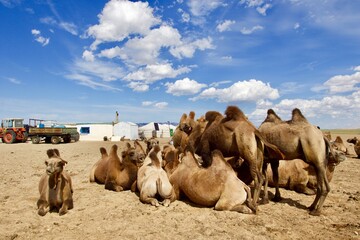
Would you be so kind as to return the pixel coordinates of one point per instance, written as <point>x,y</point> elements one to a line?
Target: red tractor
<point>13,130</point>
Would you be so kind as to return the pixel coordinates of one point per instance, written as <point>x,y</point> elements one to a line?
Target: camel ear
<point>50,153</point>
<point>183,118</point>
<point>192,115</point>
<point>128,145</point>
<point>56,151</point>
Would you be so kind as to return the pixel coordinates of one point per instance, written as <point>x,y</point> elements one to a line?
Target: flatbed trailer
<point>53,135</point>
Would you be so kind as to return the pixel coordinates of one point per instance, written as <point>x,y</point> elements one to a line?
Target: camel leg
<point>300,188</point>
<point>265,198</point>
<point>241,209</point>
<point>323,189</point>
<point>43,207</point>
<point>112,186</point>
<point>145,198</point>
<point>274,168</point>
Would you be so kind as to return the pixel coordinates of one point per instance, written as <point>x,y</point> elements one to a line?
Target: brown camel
<point>99,170</point>
<point>299,176</point>
<point>55,186</point>
<point>185,128</point>
<point>356,143</point>
<point>338,144</point>
<point>216,186</point>
<point>235,136</point>
<point>298,139</point>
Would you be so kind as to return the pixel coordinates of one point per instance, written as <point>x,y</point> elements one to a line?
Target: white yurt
<point>94,131</point>
<point>158,130</point>
<point>128,130</point>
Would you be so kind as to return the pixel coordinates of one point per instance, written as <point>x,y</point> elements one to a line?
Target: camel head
<point>54,165</point>
<point>353,140</point>
<point>135,154</point>
<point>187,123</point>
<point>336,157</point>
<point>150,144</point>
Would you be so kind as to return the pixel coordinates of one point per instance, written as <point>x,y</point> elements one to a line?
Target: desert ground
<point>103,214</point>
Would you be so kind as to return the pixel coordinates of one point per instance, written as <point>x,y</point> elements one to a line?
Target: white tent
<point>153,129</point>
<point>128,130</point>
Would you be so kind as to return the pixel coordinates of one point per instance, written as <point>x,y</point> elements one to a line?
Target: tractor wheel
<point>55,140</point>
<point>67,139</point>
<point>35,139</point>
<point>9,137</point>
<point>77,137</point>
<point>25,137</point>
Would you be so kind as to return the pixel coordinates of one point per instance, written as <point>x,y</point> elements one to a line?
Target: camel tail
<point>273,148</point>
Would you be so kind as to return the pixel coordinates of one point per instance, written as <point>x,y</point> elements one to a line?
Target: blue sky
<point>81,61</point>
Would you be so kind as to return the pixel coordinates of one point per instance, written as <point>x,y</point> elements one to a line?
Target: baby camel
<point>55,186</point>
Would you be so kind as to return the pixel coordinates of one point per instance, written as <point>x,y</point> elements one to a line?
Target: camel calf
<point>299,176</point>
<point>152,180</point>
<point>356,143</point>
<point>55,186</point>
<point>215,186</point>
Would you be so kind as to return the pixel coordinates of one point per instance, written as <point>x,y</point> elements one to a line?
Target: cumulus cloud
<point>139,86</point>
<point>161,105</point>
<point>39,38</point>
<point>188,49</point>
<point>88,56</point>
<point>154,72</point>
<point>261,6</point>
<point>262,10</point>
<point>251,90</point>
<point>225,25</point>
<point>247,31</point>
<point>343,83</point>
<point>119,19</point>
<point>184,86</point>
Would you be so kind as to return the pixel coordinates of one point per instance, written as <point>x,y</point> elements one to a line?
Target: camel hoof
<point>276,199</point>
<point>42,212</point>
<point>264,201</point>
<point>315,213</point>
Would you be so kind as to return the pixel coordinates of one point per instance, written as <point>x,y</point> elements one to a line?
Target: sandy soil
<point>102,214</point>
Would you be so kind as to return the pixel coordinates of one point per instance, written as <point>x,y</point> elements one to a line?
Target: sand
<point>103,214</point>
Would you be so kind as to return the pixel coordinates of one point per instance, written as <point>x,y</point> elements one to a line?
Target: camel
<point>182,132</point>
<point>299,176</point>
<point>152,180</point>
<point>235,136</point>
<point>170,156</point>
<point>298,139</point>
<point>122,173</point>
<point>150,143</point>
<point>216,186</point>
<point>55,186</point>
<point>99,170</point>
<point>338,144</point>
<point>356,143</point>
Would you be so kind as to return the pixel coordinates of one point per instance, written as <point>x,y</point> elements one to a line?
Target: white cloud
<point>39,38</point>
<point>247,31</point>
<point>260,5</point>
<point>154,72</point>
<point>226,58</point>
<point>67,26</point>
<point>343,83</point>
<point>252,3</point>
<point>296,26</point>
<point>252,90</point>
<point>204,7</point>
<point>262,10</point>
<point>188,49</point>
<point>357,68</point>
<point>185,86</point>
<point>138,86</point>
<point>225,25</point>
<point>216,84</point>
<point>119,19</point>
<point>147,103</point>
<point>161,105</point>
<point>88,81</point>
<point>88,56</point>
<point>145,50</point>
<point>185,17</point>
<point>14,81</point>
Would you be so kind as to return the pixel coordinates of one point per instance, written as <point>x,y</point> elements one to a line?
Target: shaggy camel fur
<point>122,173</point>
<point>299,176</point>
<point>170,156</point>
<point>55,186</point>
<point>153,181</point>
<point>338,144</point>
<point>216,186</point>
<point>356,143</point>
<point>99,170</point>
<point>298,139</point>
<point>235,136</point>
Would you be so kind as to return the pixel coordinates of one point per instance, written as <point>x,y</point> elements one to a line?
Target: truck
<point>51,133</point>
<point>13,130</point>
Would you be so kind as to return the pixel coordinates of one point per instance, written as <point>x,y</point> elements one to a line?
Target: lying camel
<point>338,144</point>
<point>299,176</point>
<point>216,186</point>
<point>55,186</point>
<point>235,136</point>
<point>152,180</point>
<point>356,143</point>
<point>122,173</point>
<point>99,170</point>
<point>170,156</point>
<point>298,139</point>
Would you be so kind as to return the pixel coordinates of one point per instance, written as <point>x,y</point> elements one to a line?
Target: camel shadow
<point>288,201</point>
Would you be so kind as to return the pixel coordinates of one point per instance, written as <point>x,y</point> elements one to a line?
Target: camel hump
<point>114,149</point>
<point>272,116</point>
<point>154,159</point>
<point>103,151</point>
<point>234,113</point>
<point>156,149</point>
<point>53,153</point>
<point>339,139</point>
<point>297,116</point>
<point>210,116</point>
<point>192,115</point>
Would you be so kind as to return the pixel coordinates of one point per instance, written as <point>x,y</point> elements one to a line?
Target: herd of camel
<point>212,162</point>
